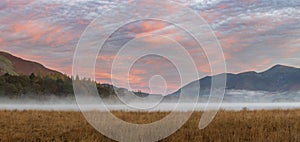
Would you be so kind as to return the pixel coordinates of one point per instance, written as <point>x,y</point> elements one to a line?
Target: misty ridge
<point>23,80</point>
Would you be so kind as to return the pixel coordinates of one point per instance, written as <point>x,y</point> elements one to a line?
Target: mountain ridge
<point>17,66</point>
<point>278,78</point>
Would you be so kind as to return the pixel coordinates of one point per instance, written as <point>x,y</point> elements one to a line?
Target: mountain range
<point>279,78</point>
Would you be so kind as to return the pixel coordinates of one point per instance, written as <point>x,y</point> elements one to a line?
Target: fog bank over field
<point>231,96</point>
<point>233,100</point>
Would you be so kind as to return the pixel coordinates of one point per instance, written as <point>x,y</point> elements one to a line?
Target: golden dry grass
<point>275,125</point>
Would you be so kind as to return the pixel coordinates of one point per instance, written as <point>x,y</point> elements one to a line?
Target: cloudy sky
<point>254,35</point>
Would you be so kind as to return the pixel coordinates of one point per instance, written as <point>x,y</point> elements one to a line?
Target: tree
<point>6,74</point>
<point>2,83</point>
<point>49,85</point>
<point>77,78</point>
<point>32,77</point>
<point>60,85</point>
<point>10,89</point>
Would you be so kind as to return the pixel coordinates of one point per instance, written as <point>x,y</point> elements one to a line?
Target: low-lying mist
<point>233,100</point>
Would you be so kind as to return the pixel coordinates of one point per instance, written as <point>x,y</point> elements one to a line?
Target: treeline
<point>13,85</point>
<point>41,85</point>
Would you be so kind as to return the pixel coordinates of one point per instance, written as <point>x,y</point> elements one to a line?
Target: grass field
<point>275,125</point>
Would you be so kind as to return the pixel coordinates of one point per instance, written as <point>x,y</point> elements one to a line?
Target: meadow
<point>257,125</point>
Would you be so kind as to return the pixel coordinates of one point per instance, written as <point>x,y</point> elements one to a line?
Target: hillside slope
<point>18,66</point>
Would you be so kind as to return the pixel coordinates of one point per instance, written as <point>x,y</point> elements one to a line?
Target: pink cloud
<point>41,32</point>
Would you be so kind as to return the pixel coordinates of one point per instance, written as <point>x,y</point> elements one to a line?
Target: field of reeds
<point>262,125</point>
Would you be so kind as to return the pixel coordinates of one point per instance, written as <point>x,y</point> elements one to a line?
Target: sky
<point>254,35</point>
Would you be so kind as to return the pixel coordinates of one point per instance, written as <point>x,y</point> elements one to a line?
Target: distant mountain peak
<point>279,66</point>
<point>279,69</point>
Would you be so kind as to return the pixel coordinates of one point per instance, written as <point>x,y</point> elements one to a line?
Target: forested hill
<point>21,77</point>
